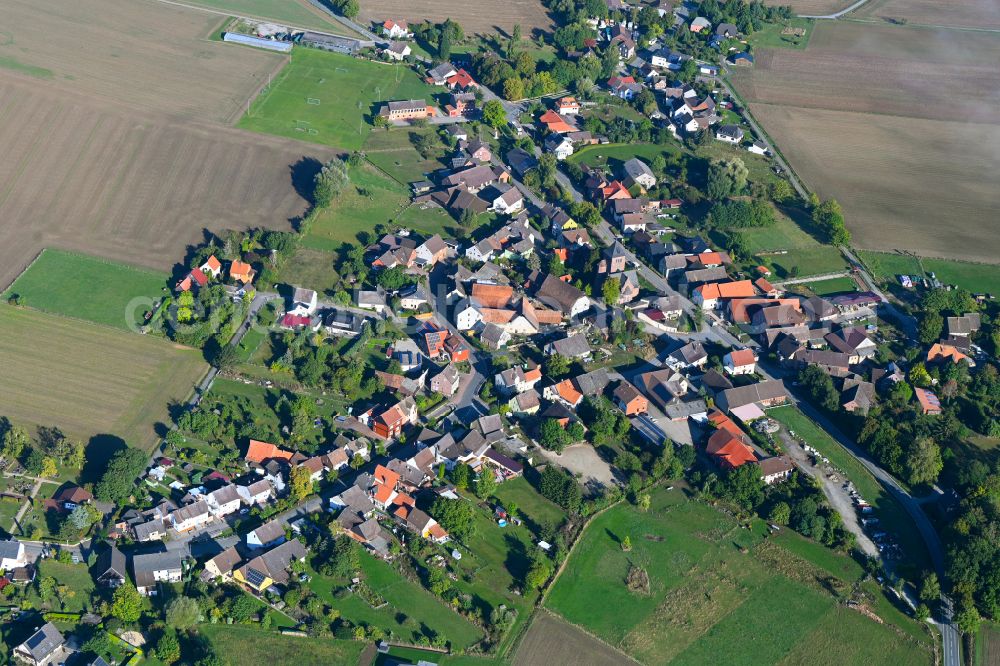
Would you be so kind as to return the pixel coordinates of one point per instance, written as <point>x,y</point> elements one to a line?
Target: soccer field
<point>330,98</point>
<point>84,287</point>
<point>90,380</point>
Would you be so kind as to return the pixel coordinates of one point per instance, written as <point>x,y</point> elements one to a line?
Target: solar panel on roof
<point>255,577</point>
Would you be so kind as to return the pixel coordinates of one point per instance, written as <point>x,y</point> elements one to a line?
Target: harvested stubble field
<point>901,125</point>
<point>475,17</point>
<point>81,176</point>
<point>149,55</point>
<point>88,379</point>
<point>956,13</point>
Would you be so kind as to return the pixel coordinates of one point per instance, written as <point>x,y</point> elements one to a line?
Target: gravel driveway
<point>833,487</point>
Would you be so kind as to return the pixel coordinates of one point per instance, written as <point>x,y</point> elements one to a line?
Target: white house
<point>212,266</point>
<point>11,554</point>
<point>224,501</point>
<point>269,534</point>
<point>191,517</point>
<point>152,568</point>
<point>758,148</point>
<point>559,145</point>
<point>466,315</point>
<point>257,493</point>
<point>517,380</point>
<point>398,50</point>
<point>413,298</point>
<point>304,302</point>
<point>396,29</point>
<point>740,362</point>
<point>509,201</point>
<point>729,134</point>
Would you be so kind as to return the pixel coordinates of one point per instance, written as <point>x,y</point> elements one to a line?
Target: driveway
<point>832,484</point>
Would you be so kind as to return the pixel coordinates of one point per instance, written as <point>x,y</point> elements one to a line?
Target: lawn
<point>296,13</point>
<point>392,151</point>
<point>75,577</point>
<point>530,505</point>
<point>837,285</point>
<point>412,610</point>
<point>770,37</point>
<point>330,98</point>
<point>246,646</point>
<point>893,517</point>
<point>802,262</point>
<point>617,153</point>
<point>91,381</point>
<point>987,645</point>
<point>313,269</point>
<point>977,278</point>
<point>89,288</point>
<point>718,593</point>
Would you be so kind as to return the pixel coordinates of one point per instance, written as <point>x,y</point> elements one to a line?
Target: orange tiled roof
<point>213,263</point>
<point>739,289</point>
<point>555,123</point>
<point>742,357</point>
<point>383,493</point>
<point>940,352</point>
<point>259,452</point>
<point>568,392</point>
<point>492,295</point>
<point>386,476</point>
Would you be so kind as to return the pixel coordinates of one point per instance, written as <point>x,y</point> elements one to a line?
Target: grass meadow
<point>977,278</point>
<point>411,611</point>
<point>89,379</point>
<point>85,287</point>
<point>721,592</point>
<point>248,646</point>
<point>329,98</point>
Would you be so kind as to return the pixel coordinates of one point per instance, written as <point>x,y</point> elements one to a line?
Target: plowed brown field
<point>114,126</point>
<point>81,176</point>
<point>900,124</point>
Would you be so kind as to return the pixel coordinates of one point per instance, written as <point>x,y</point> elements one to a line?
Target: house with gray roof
<point>638,173</point>
<point>149,569</point>
<point>43,647</point>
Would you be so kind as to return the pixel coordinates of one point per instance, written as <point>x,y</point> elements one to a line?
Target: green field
<point>371,198</point>
<point>248,646</point>
<point>530,505</point>
<point>893,517</point>
<point>720,593</point>
<point>977,278</point>
<point>89,288</point>
<point>296,13</point>
<point>88,379</point>
<point>770,37</point>
<point>330,98</point>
